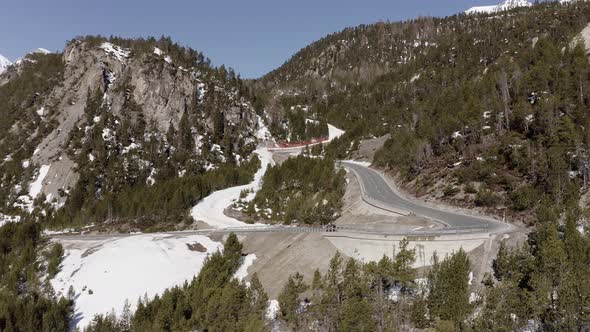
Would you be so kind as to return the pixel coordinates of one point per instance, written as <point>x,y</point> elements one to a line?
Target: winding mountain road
<point>376,191</point>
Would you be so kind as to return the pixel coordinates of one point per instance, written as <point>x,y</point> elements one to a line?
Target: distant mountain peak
<point>42,51</point>
<point>4,63</point>
<point>506,5</point>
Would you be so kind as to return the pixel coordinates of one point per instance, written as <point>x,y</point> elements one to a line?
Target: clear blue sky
<point>252,36</point>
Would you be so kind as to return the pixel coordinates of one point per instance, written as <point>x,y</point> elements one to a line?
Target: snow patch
<point>262,133</point>
<point>120,53</point>
<point>4,63</point>
<point>357,162</point>
<point>105,274</point>
<point>36,186</point>
<point>5,219</point>
<point>506,5</point>
<point>132,146</point>
<point>273,310</point>
<point>333,133</point>
<point>41,50</point>
<point>242,271</point>
<point>210,209</point>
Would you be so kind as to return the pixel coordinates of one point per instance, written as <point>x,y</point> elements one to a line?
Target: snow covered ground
<point>120,53</point>
<point>506,5</point>
<point>36,186</point>
<point>5,219</point>
<point>242,271</point>
<point>25,202</point>
<point>333,133</point>
<point>211,208</point>
<point>106,273</point>
<point>358,162</point>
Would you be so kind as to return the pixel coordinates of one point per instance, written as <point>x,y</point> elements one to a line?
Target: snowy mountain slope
<point>130,98</point>
<point>4,63</point>
<point>506,5</point>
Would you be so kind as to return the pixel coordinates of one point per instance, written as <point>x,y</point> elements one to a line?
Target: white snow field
<point>333,133</point>
<point>506,5</point>
<point>127,268</point>
<point>210,209</point>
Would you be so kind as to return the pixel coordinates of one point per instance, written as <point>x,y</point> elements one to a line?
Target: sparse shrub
<point>470,188</point>
<point>486,197</point>
<point>54,259</point>
<point>523,198</point>
<point>450,191</point>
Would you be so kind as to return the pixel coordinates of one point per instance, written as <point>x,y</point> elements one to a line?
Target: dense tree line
<point>543,283</point>
<point>104,193</point>
<point>379,296</point>
<point>21,128</point>
<point>296,124</point>
<point>26,302</point>
<point>300,190</point>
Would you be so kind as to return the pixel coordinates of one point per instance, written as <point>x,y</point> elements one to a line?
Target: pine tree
<point>258,297</point>
<point>125,318</point>
<point>403,270</point>
<point>448,297</point>
<point>289,299</point>
<point>185,135</point>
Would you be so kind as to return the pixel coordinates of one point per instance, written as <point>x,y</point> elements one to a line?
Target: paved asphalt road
<point>376,191</point>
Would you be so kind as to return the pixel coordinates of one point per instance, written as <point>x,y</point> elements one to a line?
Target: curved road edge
<point>377,191</point>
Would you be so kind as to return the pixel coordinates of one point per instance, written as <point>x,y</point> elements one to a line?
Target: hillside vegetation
<point>486,110</point>
<point>112,124</point>
<point>301,190</point>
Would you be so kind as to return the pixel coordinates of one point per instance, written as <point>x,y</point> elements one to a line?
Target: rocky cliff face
<point>111,103</point>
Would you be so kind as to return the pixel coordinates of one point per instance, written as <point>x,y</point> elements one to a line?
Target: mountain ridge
<point>4,63</point>
<point>118,114</point>
<point>504,6</point>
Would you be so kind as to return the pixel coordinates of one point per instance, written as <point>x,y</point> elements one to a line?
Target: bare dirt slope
<point>368,147</point>
<point>280,255</point>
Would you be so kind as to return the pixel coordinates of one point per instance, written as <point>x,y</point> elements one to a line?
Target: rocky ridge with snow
<point>4,63</point>
<point>506,5</point>
<point>147,88</point>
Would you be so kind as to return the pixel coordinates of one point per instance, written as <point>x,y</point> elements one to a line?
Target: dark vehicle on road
<point>330,228</point>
